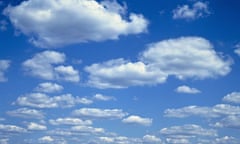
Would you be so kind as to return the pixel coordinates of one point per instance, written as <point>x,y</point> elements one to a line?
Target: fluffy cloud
<point>231,121</point>
<point>35,126</point>
<point>46,65</point>
<point>11,129</point>
<point>100,113</point>
<point>4,65</point>
<point>40,100</point>
<point>120,73</point>
<point>233,97</point>
<point>208,112</point>
<point>237,50</point>
<point>70,121</point>
<point>87,129</point>
<point>199,9</point>
<point>133,119</point>
<point>227,140</point>
<point>26,113</point>
<point>103,97</point>
<point>69,22</point>
<point>151,139</point>
<point>183,57</point>
<point>187,131</point>
<point>46,139</point>
<point>187,89</point>
<point>48,87</point>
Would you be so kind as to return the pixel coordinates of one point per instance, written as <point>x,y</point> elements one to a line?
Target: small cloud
<point>3,24</point>
<point>4,65</point>
<point>187,89</point>
<point>36,127</point>
<point>151,139</point>
<point>233,97</point>
<point>103,97</point>
<point>133,119</point>
<point>237,50</point>
<point>26,113</point>
<point>46,139</point>
<point>48,87</point>
<point>70,121</point>
<point>198,9</point>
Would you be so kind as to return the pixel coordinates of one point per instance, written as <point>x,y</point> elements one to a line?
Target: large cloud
<point>57,23</point>
<point>4,65</point>
<point>47,65</point>
<point>184,57</point>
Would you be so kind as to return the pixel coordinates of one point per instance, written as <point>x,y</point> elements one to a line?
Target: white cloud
<point>120,73</point>
<point>103,97</point>
<point>41,100</point>
<point>187,131</point>
<point>199,9</point>
<point>11,129</point>
<point>46,65</point>
<point>177,140</point>
<point>237,50</point>
<point>26,113</point>
<point>87,129</point>
<point>227,140</point>
<point>70,22</point>
<point>3,24</point>
<point>46,139</point>
<point>119,140</point>
<point>100,113</point>
<point>4,65</point>
<point>5,140</point>
<point>48,87</point>
<point>70,121</point>
<point>35,126</point>
<point>233,97</point>
<point>151,139</point>
<point>208,112</point>
<point>184,57</point>
<point>187,89</point>
<point>231,121</point>
<point>133,119</point>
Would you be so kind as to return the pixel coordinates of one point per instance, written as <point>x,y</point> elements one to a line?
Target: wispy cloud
<point>4,65</point>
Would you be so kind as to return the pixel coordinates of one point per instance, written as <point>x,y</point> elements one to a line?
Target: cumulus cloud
<point>26,113</point>
<point>100,113</point>
<point>41,100</point>
<point>184,57</point>
<point>87,129</point>
<point>208,112</point>
<point>11,129</point>
<point>233,97</point>
<point>231,121</point>
<point>133,119</point>
<point>101,97</point>
<point>119,140</point>
<point>36,127</point>
<point>70,121</point>
<point>187,89</point>
<point>227,140</point>
<point>47,65</point>
<point>4,65</point>
<point>48,87</point>
<point>70,22</point>
<point>46,139</point>
<point>237,50</point>
<point>151,139</point>
<point>187,131</point>
<point>198,9</point>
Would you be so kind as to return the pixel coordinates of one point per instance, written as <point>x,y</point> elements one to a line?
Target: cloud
<point>87,129</point>
<point>46,139</point>
<point>26,113</point>
<point>133,119</point>
<point>208,112</point>
<point>119,140</point>
<point>36,127</point>
<point>231,121</point>
<point>70,121</point>
<point>101,97</point>
<point>46,65</point>
<point>151,139</point>
<point>70,22</point>
<point>100,113</point>
<point>199,9</point>
<point>4,65</point>
<point>227,140</point>
<point>237,50</point>
<point>187,131</point>
<point>41,100</point>
<point>11,129</point>
<point>233,97</point>
<point>48,87</point>
<point>187,89</point>
<point>3,24</point>
<point>183,57</point>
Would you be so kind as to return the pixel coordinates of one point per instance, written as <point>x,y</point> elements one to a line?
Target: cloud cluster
<point>133,119</point>
<point>47,65</point>
<point>26,113</point>
<point>184,57</point>
<point>58,23</point>
<point>48,87</point>
<point>4,65</point>
<point>199,9</point>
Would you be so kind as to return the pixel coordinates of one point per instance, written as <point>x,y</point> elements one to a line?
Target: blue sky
<point>119,72</point>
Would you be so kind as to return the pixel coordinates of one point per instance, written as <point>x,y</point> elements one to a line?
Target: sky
<point>119,72</point>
